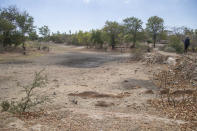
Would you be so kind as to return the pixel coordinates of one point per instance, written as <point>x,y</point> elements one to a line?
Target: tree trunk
<point>24,49</point>
<point>101,46</point>
<point>154,39</point>
<point>134,40</point>
<point>113,46</point>
<point>113,42</point>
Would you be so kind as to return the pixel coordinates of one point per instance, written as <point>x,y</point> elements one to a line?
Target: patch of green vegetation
<point>5,105</point>
<point>142,46</point>
<point>175,43</point>
<point>169,49</point>
<point>139,51</point>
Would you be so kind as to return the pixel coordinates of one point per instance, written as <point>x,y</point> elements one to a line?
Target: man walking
<point>186,44</point>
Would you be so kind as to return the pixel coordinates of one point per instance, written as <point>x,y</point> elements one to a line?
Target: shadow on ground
<point>130,84</point>
<point>80,60</point>
<point>16,62</point>
<point>72,59</point>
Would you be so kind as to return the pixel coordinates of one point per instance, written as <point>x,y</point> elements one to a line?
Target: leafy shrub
<point>175,43</point>
<point>150,41</point>
<point>5,105</point>
<point>30,99</point>
<point>139,51</point>
<point>142,46</point>
<point>137,54</point>
<point>169,49</point>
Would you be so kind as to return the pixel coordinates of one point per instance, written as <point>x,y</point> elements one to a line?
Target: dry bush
<point>30,99</point>
<point>138,53</point>
<point>178,95</point>
<point>35,45</point>
<point>169,49</point>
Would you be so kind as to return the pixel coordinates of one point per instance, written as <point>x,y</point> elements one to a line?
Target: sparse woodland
<point>18,26</point>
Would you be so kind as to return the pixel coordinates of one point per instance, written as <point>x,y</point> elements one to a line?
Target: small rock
<point>36,127</point>
<point>137,87</point>
<point>171,61</point>
<point>149,92</point>
<point>75,102</point>
<point>55,80</point>
<point>126,81</point>
<point>104,104</point>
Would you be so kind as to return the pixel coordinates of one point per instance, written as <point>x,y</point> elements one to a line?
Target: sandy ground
<point>88,91</point>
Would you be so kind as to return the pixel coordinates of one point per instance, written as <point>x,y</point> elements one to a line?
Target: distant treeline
<point>16,27</point>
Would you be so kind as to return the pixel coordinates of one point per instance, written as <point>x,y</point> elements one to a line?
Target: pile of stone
<point>187,66</point>
<point>155,58</point>
<point>178,91</point>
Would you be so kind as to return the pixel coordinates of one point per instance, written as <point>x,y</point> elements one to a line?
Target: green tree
<point>33,35</point>
<point>25,24</point>
<point>179,32</point>
<point>7,19</point>
<point>6,27</point>
<point>87,38</point>
<point>163,35</point>
<point>45,32</point>
<point>80,37</point>
<point>133,25</point>
<point>96,38</point>
<point>142,36</point>
<point>188,31</point>
<point>155,25</point>
<point>14,26</point>
<point>58,37</point>
<point>112,29</point>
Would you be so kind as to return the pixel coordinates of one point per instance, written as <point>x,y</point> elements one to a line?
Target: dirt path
<point>108,92</point>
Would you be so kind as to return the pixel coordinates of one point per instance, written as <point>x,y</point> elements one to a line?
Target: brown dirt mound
<point>103,104</point>
<point>91,94</point>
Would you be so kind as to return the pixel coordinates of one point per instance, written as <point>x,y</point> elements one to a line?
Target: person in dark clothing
<point>186,44</point>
